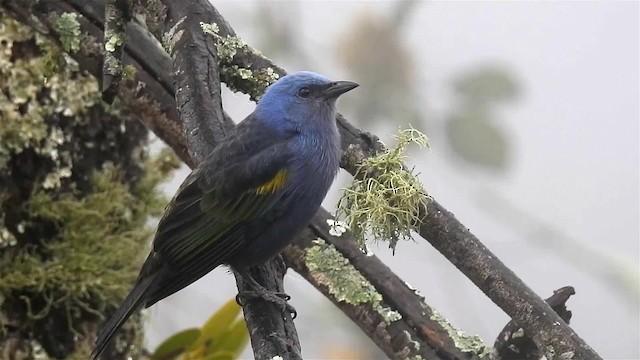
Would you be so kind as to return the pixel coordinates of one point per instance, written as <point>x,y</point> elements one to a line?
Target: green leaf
<point>221,355</point>
<point>490,82</point>
<point>478,142</point>
<point>217,325</point>
<point>176,344</point>
<point>234,340</point>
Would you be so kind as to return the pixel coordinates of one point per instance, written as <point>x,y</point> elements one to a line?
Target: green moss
<point>68,28</point>
<point>463,341</point>
<point>385,198</point>
<point>129,72</point>
<point>329,268</point>
<point>110,221</point>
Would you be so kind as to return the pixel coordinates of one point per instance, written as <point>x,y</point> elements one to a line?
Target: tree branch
<point>399,321</point>
<point>196,81</point>
<point>514,343</point>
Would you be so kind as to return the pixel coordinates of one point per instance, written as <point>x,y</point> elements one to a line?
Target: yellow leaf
<point>216,326</point>
<point>234,340</point>
<point>176,344</point>
<point>221,355</point>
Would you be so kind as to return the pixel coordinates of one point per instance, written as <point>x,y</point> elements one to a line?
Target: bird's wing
<point>202,225</point>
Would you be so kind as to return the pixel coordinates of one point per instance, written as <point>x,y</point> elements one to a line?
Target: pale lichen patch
<point>171,37</point>
<point>463,341</point>
<point>239,78</point>
<point>337,227</point>
<point>518,333</point>
<point>68,28</point>
<point>211,29</point>
<point>329,268</point>
<point>22,120</point>
<point>114,41</point>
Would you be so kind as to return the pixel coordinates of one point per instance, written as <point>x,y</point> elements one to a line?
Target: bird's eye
<point>304,92</point>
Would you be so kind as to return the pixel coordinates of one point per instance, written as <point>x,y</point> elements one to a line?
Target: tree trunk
<point>75,192</point>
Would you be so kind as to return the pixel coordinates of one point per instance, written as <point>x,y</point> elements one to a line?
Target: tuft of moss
<point>109,221</point>
<point>385,199</point>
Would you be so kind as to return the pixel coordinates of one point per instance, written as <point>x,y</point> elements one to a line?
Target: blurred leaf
<point>214,329</point>
<point>222,355</point>
<point>487,83</point>
<point>477,141</point>
<point>176,344</point>
<point>276,36</point>
<point>234,340</point>
<point>375,54</point>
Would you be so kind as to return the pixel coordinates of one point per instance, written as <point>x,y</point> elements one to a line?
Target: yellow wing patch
<point>271,186</point>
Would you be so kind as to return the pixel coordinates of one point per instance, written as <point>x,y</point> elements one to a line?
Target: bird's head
<point>302,99</point>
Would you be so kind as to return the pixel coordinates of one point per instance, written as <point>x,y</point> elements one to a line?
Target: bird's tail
<point>130,304</point>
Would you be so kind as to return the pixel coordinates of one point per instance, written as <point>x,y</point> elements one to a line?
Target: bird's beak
<point>338,88</point>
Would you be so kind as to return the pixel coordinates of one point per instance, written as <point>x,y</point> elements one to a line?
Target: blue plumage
<point>256,190</point>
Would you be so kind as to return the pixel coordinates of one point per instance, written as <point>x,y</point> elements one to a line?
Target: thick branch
<point>196,79</point>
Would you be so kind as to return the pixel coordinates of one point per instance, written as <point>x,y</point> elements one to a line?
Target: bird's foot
<point>278,298</point>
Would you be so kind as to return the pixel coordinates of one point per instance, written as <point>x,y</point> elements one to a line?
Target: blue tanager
<point>248,199</point>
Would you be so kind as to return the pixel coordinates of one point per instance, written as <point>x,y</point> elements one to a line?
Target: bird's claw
<point>278,298</point>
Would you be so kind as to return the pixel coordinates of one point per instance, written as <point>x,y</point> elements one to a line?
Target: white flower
<point>337,227</point>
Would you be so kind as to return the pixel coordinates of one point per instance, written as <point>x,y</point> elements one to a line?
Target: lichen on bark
<point>248,80</point>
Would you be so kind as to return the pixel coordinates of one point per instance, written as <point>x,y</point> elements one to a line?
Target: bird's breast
<point>312,171</point>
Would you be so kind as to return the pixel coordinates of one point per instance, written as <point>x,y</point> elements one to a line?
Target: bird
<point>246,201</point>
